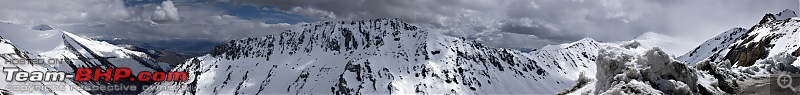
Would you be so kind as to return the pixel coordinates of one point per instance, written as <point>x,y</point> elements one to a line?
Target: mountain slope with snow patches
<point>714,48</point>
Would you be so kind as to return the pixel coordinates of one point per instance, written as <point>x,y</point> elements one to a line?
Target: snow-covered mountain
<point>390,56</point>
<point>774,34</point>
<point>47,43</point>
<point>383,56</point>
<point>738,61</point>
<point>746,58</point>
<point>380,56</point>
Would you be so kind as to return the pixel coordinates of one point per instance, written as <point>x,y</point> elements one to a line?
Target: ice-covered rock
<point>620,71</point>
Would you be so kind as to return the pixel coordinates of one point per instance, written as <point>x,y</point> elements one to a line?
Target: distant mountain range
<point>389,56</point>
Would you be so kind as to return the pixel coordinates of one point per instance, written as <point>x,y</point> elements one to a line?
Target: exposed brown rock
<point>746,55</point>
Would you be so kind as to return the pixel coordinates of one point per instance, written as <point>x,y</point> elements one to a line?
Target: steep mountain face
<point>774,34</point>
<point>715,48</point>
<point>378,57</point>
<point>74,52</point>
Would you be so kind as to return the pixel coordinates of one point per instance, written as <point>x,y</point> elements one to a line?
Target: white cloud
<point>166,13</point>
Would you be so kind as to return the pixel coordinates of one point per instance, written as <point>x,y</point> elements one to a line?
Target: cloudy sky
<point>499,23</point>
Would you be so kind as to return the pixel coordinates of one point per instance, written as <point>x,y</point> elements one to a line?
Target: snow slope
<point>7,47</point>
<point>62,44</point>
<point>379,57</point>
<point>35,43</point>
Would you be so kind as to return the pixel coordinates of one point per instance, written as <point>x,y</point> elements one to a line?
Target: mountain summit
<point>785,14</point>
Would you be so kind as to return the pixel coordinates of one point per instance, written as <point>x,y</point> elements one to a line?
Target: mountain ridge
<point>407,59</point>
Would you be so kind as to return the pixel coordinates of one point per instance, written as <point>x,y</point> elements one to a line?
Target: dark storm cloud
<point>540,31</point>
